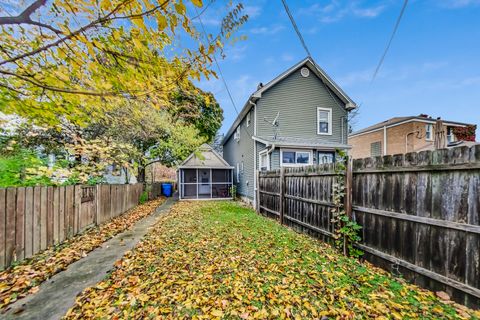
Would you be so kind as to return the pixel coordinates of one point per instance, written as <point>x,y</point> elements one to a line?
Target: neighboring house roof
<point>401,120</point>
<point>297,142</point>
<point>319,72</point>
<point>205,157</point>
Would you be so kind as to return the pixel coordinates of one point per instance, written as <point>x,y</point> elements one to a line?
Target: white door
<point>204,181</point>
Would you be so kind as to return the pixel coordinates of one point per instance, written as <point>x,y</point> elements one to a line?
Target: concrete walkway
<point>58,294</point>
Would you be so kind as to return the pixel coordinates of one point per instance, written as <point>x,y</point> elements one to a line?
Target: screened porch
<point>205,183</point>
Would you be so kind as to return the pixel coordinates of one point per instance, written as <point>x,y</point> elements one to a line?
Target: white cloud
<point>252,11</point>
<point>371,12</point>
<point>287,57</point>
<point>270,30</point>
<point>456,4</point>
<point>211,21</point>
<point>336,10</point>
<point>355,78</point>
<point>236,53</point>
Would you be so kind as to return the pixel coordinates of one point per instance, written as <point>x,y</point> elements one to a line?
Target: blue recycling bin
<point>167,189</point>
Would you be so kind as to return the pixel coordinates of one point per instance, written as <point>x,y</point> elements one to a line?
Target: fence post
<point>257,191</point>
<point>97,206</point>
<point>282,193</point>
<point>348,186</point>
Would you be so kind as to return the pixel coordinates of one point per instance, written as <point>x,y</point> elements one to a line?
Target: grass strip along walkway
<point>18,281</point>
<point>220,260</point>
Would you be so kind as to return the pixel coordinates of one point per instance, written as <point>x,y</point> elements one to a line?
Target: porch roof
<point>205,157</point>
<point>300,143</point>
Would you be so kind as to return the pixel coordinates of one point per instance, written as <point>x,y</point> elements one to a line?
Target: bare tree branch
<point>25,17</point>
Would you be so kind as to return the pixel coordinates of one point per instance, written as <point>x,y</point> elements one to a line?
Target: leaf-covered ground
<point>219,260</point>
<point>20,280</point>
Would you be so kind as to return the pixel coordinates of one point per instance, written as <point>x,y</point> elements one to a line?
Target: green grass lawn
<point>219,259</point>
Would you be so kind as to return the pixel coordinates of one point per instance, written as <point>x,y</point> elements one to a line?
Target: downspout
<point>270,151</point>
<point>385,140</point>
<point>254,152</point>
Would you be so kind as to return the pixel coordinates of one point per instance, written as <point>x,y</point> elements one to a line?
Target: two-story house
<point>402,135</point>
<point>299,118</point>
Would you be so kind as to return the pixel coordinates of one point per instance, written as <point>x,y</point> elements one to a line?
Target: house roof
<point>300,143</point>
<point>400,120</point>
<point>319,72</point>
<point>205,157</point>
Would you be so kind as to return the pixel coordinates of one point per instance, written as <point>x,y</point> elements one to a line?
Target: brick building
<point>401,135</point>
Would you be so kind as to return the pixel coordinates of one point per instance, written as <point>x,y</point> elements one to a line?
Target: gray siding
<point>297,99</point>
<point>275,159</point>
<point>235,152</point>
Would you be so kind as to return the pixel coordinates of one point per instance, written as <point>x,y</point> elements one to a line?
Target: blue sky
<point>433,65</point>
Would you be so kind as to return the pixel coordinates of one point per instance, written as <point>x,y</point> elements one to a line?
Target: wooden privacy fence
<point>420,213</point>
<point>34,218</point>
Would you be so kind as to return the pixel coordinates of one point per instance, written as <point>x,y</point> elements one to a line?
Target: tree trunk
<point>141,174</point>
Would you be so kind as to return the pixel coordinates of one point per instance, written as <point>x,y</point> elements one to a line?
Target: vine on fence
<point>346,230</point>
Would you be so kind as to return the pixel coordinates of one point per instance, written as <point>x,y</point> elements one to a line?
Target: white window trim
<point>329,110</point>
<point>238,172</point>
<point>431,132</point>
<point>248,119</point>
<point>310,158</point>
<point>260,154</point>
<point>237,134</point>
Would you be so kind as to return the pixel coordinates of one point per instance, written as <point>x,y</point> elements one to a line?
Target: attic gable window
<point>248,119</point>
<point>324,121</point>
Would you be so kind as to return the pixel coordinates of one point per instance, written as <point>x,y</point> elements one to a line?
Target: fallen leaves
<point>215,260</point>
<point>23,279</point>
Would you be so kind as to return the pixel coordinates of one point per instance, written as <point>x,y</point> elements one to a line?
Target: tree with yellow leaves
<point>75,60</point>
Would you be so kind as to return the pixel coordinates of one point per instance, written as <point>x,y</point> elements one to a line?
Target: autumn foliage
<point>18,281</point>
<point>214,260</point>
<point>465,133</point>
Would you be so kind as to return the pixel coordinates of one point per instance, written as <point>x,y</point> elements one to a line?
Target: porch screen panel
<point>189,183</point>
<point>221,183</point>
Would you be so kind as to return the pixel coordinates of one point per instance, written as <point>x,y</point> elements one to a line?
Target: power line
<point>217,64</point>
<point>220,70</point>
<point>296,28</point>
<point>395,28</point>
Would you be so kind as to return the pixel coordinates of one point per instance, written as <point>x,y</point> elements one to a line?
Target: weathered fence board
<point>420,213</point>
<point>34,218</point>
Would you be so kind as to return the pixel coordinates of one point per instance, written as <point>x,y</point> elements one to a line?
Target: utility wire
<point>296,28</point>
<point>220,69</point>
<point>217,64</point>
<point>395,28</point>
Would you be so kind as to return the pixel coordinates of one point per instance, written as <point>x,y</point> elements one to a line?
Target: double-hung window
<point>264,161</point>
<point>450,135</point>
<point>429,132</point>
<point>324,121</point>
<point>296,157</point>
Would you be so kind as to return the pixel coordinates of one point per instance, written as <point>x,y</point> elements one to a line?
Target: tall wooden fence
<point>420,213</point>
<point>34,218</point>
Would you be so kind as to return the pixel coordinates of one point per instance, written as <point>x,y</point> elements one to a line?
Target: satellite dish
<point>275,121</point>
